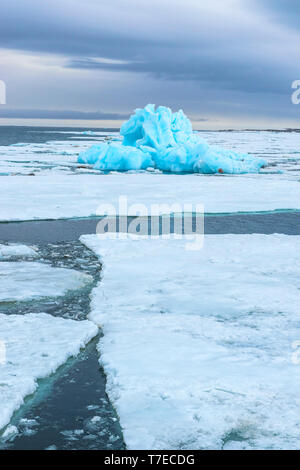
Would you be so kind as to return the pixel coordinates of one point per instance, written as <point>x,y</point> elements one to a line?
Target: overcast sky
<point>226,63</point>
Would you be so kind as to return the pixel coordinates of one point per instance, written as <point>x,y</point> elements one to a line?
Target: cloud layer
<point>230,59</point>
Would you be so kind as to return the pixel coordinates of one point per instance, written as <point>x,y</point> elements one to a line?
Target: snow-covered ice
<point>199,347</point>
<point>61,188</point>
<point>279,149</point>
<point>80,195</point>
<point>38,159</point>
<point>14,250</point>
<point>27,280</point>
<point>164,140</point>
<point>36,345</point>
<point>48,158</point>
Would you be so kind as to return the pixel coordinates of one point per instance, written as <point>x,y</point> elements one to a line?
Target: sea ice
<point>200,348</point>
<point>35,346</point>
<point>14,250</point>
<point>165,140</point>
<point>87,133</point>
<point>31,280</point>
<point>10,432</point>
<point>40,159</point>
<point>280,149</point>
<point>55,197</point>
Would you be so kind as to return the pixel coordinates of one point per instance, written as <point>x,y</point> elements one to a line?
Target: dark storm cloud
<point>66,114</point>
<point>59,114</point>
<point>70,27</point>
<point>236,47</point>
<point>87,29</point>
<point>225,73</point>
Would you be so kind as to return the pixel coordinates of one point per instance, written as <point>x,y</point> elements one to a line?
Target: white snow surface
<point>63,189</point>
<point>13,250</point>
<point>27,280</point>
<point>36,345</point>
<point>68,196</point>
<point>199,347</point>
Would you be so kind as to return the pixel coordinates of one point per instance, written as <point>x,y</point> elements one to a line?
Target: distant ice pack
<point>160,139</point>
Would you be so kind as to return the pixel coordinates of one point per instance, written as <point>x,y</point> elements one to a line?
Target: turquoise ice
<point>158,138</point>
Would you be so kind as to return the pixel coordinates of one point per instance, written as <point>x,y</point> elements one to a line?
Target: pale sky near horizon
<point>227,64</point>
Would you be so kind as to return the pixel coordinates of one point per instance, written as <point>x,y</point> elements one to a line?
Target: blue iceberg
<point>115,156</point>
<point>160,139</point>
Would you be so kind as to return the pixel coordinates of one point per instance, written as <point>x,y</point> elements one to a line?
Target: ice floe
<point>9,433</point>
<point>61,188</point>
<point>35,346</point>
<point>14,250</point>
<point>165,140</point>
<point>200,348</point>
<point>27,280</point>
<point>280,149</point>
<point>81,195</point>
